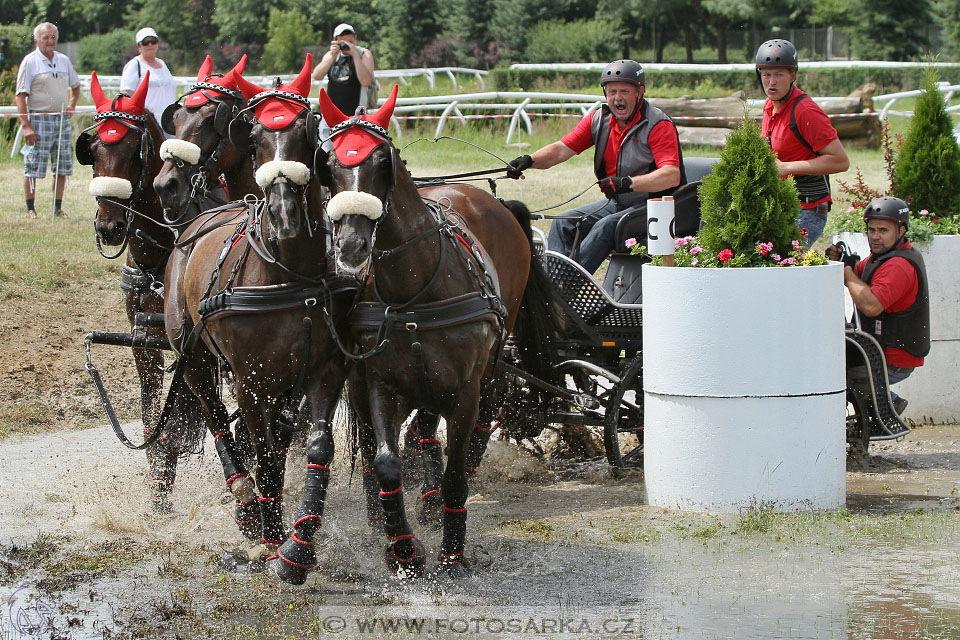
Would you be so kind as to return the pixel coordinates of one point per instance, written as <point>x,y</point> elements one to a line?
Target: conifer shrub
<point>928,166</point>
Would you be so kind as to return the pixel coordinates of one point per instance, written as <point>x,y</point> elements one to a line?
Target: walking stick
<point>56,170</point>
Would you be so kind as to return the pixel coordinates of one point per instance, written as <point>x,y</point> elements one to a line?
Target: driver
<point>637,156</point>
<point>889,289</point>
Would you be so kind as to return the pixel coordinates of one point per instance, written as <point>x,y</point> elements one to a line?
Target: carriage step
<point>143,319</point>
<point>129,340</point>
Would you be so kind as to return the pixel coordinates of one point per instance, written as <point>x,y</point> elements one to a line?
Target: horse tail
<point>536,330</point>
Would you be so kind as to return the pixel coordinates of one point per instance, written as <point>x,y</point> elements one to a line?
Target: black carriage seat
<point>622,281</point>
<point>865,355</point>
<point>589,306</point>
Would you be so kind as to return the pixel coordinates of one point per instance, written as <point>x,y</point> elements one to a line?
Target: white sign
<point>660,226</point>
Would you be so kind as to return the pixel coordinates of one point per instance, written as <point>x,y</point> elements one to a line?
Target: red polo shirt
<point>814,126</point>
<point>663,141</point>
<point>895,285</point>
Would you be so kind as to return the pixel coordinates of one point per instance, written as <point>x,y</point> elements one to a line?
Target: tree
<point>409,25</point>
<point>928,167</point>
<point>185,24</point>
<point>243,20</point>
<point>890,29</point>
<point>724,15</point>
<point>946,13</point>
<point>556,41</point>
<point>287,37</point>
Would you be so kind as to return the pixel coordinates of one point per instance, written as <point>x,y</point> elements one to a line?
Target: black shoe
<point>900,404</point>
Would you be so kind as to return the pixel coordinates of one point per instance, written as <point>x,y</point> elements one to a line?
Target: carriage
<point>479,325</point>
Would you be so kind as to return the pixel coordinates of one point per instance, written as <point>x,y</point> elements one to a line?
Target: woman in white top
<point>163,88</point>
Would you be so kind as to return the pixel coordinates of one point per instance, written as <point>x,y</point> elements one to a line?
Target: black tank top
<point>343,86</point>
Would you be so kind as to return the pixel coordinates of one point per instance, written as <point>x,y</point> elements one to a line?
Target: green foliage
<point>243,20</point>
<point>928,167</point>
<point>409,27</point>
<point>890,29</point>
<point>19,43</point>
<point>106,53</point>
<point>287,38</point>
<point>556,41</point>
<point>744,202</point>
<point>184,24</point>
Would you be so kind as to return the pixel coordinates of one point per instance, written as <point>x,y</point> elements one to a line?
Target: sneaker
<point>31,213</point>
<point>60,214</point>
<point>900,404</point>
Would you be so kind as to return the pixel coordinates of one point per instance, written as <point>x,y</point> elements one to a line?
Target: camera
<point>343,46</point>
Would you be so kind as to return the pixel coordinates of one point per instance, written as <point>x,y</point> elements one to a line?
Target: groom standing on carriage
<point>637,156</point>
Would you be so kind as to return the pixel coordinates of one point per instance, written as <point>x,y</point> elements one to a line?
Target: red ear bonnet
<point>228,81</point>
<point>355,144</point>
<point>112,130</point>
<point>276,113</point>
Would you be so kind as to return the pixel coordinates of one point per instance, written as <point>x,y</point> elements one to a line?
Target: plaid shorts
<point>35,162</point>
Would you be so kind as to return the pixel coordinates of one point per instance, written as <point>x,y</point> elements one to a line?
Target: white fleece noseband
<point>357,203</point>
<point>109,187</point>
<point>287,171</point>
<point>174,149</point>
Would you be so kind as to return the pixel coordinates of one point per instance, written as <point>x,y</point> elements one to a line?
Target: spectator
<point>889,289</point>
<point>47,86</point>
<point>637,157</point>
<point>800,134</point>
<point>163,88</point>
<point>348,68</point>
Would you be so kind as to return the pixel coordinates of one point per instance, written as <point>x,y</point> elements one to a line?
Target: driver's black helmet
<point>623,71</point>
<point>888,208</point>
<point>776,54</point>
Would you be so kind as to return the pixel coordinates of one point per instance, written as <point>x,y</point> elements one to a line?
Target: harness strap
<point>426,317</point>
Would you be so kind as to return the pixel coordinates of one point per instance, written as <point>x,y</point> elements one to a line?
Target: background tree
<point>243,20</point>
<point>947,15</point>
<point>288,35</point>
<point>890,29</point>
<point>409,26</point>
<point>185,24</point>
<point>561,41</point>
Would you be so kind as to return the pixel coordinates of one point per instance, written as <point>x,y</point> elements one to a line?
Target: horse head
<point>201,150</point>
<point>283,137</point>
<point>361,175</point>
<point>121,148</point>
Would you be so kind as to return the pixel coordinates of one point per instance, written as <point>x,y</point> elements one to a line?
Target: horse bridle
<point>224,114</point>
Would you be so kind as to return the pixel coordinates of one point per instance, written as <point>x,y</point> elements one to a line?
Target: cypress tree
<point>744,201</point>
<point>928,167</point>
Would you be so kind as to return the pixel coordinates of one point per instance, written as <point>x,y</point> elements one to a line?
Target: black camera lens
<point>343,46</point>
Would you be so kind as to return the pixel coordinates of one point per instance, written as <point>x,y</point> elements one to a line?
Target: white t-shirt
<point>163,88</point>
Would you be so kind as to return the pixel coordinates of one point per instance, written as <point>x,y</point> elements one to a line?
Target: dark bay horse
<point>123,149</point>
<point>450,272</point>
<point>255,294</point>
<point>201,151</point>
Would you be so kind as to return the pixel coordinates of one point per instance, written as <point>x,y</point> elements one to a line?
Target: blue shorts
<point>35,162</point>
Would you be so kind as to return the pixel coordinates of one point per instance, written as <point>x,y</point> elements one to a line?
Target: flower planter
<point>744,388</point>
<point>932,389</point>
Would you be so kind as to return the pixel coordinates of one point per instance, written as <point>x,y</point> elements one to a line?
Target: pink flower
<point>679,242</point>
<point>725,256</point>
<point>924,212</point>
<point>764,248</point>
<point>775,256</point>
<point>851,209</point>
<point>788,261</point>
<point>695,262</point>
<point>630,242</point>
<point>795,243</point>
<point>695,250</point>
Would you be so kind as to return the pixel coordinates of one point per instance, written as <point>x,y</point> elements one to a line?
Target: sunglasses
<point>149,41</point>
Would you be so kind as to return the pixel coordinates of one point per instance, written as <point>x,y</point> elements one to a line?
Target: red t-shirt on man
<point>813,124</point>
<point>663,141</point>
<point>895,285</point>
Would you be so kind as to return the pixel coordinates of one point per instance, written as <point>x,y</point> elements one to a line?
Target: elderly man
<point>46,86</point>
<point>637,156</point>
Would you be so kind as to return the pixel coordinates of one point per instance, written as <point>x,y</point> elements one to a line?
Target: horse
<point>255,294</point>
<point>122,149</point>
<point>201,150</point>
<point>449,273</point>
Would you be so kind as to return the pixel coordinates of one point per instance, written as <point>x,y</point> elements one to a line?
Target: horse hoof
<point>161,504</point>
<point>289,573</point>
<point>431,510</point>
<point>453,569</point>
<point>409,567</point>
<point>248,520</point>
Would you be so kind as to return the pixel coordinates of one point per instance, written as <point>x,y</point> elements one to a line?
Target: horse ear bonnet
<point>238,130</point>
<point>166,120</point>
<point>84,154</point>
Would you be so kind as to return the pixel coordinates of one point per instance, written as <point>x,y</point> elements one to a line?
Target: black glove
<point>617,184</point>
<point>851,260</point>
<point>517,166</point>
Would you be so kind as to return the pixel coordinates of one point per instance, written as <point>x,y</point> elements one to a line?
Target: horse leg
<point>296,556</point>
<point>358,394</point>
<point>260,418</point>
<point>431,505</point>
<point>161,455</point>
<point>403,553</point>
<point>485,426</point>
<point>200,376</point>
<point>455,487</point>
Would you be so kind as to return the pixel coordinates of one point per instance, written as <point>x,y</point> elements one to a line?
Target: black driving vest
<point>908,329</point>
<point>635,157</point>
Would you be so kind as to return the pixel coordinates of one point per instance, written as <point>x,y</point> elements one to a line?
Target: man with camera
<point>889,289</point>
<point>348,68</point>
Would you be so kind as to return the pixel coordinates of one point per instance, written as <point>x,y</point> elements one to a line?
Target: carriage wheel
<point>624,411</point>
<point>858,420</point>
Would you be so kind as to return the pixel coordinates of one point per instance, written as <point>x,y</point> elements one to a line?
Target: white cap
<point>145,33</point>
<point>342,28</point>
